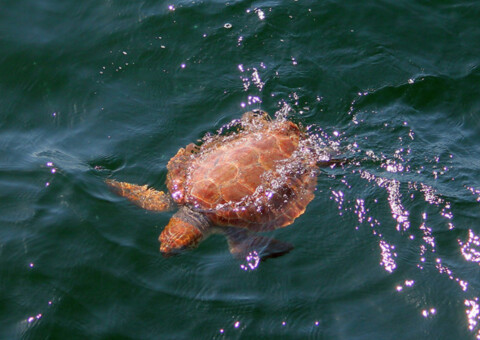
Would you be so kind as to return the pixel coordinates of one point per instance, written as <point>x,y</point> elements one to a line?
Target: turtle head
<point>178,235</point>
<point>255,117</point>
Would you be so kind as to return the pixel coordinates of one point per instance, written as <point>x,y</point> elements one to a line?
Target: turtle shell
<point>257,178</point>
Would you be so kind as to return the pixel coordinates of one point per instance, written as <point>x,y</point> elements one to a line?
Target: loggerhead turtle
<point>259,178</point>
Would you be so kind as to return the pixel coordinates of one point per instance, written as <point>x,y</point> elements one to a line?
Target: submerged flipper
<point>142,195</point>
<point>243,243</point>
<point>333,162</point>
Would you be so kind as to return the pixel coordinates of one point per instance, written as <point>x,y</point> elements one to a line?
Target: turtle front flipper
<point>185,230</point>
<point>142,195</point>
<point>243,243</point>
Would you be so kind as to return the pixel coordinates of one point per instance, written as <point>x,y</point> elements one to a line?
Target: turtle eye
<point>257,113</point>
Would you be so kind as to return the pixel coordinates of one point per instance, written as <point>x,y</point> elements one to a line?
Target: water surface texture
<point>388,249</point>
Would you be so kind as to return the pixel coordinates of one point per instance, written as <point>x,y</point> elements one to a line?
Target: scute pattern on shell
<point>251,179</point>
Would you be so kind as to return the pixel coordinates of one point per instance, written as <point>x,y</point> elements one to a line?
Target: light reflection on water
<point>252,261</point>
<point>399,196</point>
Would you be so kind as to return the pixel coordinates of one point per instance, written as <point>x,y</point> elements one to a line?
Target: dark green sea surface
<point>388,249</point>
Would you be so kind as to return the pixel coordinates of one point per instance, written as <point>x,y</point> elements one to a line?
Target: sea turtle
<point>258,178</point>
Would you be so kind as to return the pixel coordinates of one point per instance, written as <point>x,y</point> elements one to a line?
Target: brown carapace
<point>258,178</point>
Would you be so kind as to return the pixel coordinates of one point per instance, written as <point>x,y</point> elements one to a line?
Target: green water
<point>388,249</point>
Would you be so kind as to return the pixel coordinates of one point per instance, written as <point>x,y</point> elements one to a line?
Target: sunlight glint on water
<point>470,249</point>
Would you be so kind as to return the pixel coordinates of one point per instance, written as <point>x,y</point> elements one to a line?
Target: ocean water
<point>388,249</point>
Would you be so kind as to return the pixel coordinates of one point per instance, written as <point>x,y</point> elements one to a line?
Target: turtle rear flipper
<point>142,195</point>
<point>243,243</point>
